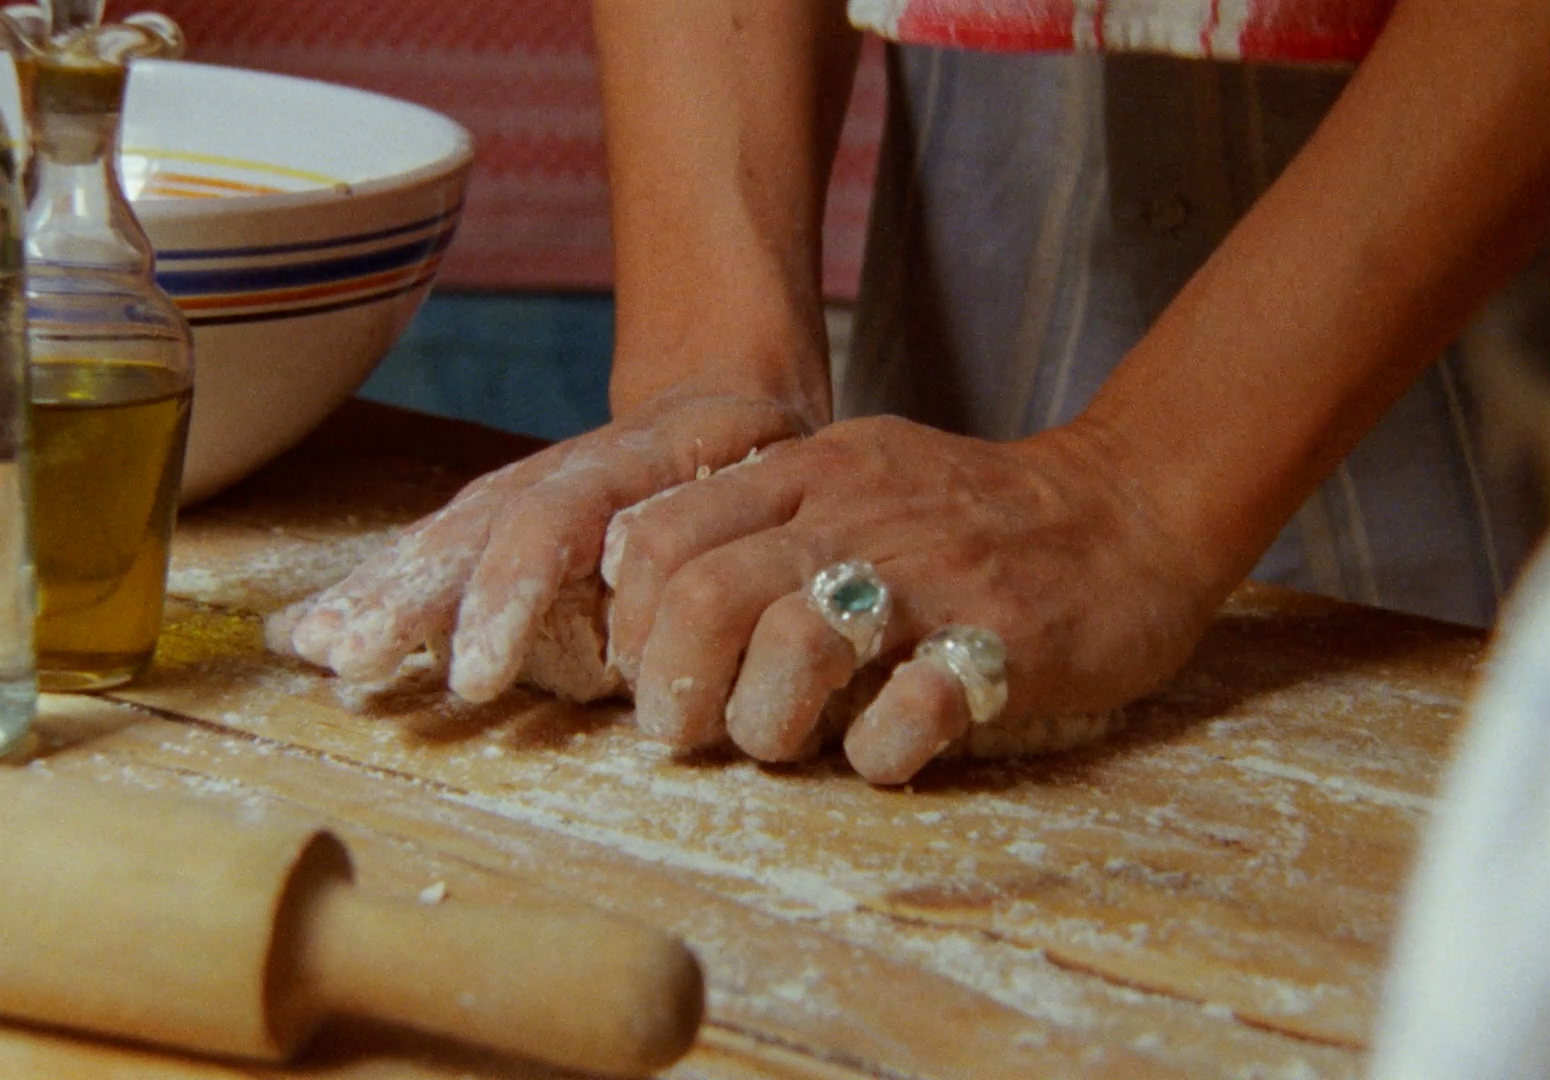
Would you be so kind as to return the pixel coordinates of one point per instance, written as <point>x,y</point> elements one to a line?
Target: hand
<point>489,564</point>
<point>1042,542</point>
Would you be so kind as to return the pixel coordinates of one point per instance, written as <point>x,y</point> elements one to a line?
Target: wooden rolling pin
<point>166,920</point>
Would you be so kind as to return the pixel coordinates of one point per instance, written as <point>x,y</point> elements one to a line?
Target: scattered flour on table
<point>1339,788</point>
<point>808,892</point>
<point>287,569</point>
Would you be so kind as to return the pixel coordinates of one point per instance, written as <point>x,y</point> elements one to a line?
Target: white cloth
<point>1468,994</point>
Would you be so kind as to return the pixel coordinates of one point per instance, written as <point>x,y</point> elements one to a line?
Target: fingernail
<point>663,713</point>
<point>280,625</point>
<point>656,717</point>
<point>628,667</point>
<point>879,751</point>
<point>314,635</point>
<point>481,669</point>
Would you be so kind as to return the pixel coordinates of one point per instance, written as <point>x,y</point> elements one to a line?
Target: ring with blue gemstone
<point>855,602</point>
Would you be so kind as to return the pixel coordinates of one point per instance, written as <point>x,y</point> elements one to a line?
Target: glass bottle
<point>17,678</point>
<point>111,357</point>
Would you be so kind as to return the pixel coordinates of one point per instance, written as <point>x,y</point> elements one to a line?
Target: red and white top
<point>1287,30</point>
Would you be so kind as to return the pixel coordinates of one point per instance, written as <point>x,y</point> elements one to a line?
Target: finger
<point>794,661</point>
<point>495,629</point>
<point>649,543</point>
<point>548,536</point>
<point>708,613</point>
<point>365,625</point>
<point>919,711</point>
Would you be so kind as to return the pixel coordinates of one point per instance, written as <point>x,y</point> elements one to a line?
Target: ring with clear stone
<point>855,602</point>
<point>976,657</point>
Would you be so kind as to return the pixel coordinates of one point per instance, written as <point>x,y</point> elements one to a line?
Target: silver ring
<point>975,657</point>
<point>852,599</point>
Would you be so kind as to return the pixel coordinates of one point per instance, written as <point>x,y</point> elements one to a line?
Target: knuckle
<point>790,626</point>
<point>699,595</point>
<point>654,543</point>
<point>888,424</point>
<point>553,501</point>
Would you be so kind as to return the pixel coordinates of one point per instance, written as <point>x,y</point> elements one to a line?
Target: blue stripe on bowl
<point>198,254</point>
<point>264,278</point>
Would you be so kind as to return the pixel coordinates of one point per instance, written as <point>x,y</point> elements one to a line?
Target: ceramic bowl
<point>298,225</point>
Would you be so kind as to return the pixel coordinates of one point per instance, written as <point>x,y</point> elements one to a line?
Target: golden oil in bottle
<point>107,455</point>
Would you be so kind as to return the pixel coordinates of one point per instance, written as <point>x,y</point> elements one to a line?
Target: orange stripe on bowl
<point>168,192</point>
<point>307,292</point>
<point>240,187</point>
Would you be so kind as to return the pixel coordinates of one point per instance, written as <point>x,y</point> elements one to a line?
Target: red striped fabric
<point>1003,27</point>
<point>1286,30</point>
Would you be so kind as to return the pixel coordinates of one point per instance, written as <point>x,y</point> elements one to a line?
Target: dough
<point>568,654</point>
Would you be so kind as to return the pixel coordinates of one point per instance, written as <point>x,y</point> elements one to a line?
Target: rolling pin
<point>165,920</point>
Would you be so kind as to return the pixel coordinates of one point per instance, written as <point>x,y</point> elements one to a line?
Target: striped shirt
<point>1033,215</point>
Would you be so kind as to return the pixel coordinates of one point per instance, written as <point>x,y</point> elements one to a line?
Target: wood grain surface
<point>1207,894</point>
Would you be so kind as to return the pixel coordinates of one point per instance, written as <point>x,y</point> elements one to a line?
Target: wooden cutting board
<point>1208,894</point>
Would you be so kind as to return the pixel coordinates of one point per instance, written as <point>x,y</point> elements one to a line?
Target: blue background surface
<point>535,363</point>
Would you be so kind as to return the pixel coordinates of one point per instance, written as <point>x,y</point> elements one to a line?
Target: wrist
<point>1204,540</point>
<point>761,350</point>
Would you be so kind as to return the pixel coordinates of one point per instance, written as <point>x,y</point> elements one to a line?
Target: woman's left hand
<point>1046,542</point>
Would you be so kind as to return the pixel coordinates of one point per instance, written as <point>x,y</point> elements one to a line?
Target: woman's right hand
<point>485,568</point>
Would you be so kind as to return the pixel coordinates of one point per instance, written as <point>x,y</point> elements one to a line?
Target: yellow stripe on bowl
<point>154,174</point>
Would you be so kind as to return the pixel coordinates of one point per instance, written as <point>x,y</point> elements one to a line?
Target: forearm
<point>721,120</point>
<point>1425,187</point>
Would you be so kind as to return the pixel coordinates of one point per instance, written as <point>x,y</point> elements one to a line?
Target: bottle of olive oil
<point>108,438</point>
<point>111,356</point>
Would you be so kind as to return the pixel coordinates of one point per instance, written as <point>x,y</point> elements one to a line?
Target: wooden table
<point>1208,894</point>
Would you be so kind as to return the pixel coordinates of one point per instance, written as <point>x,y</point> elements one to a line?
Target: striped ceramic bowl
<point>298,225</point>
